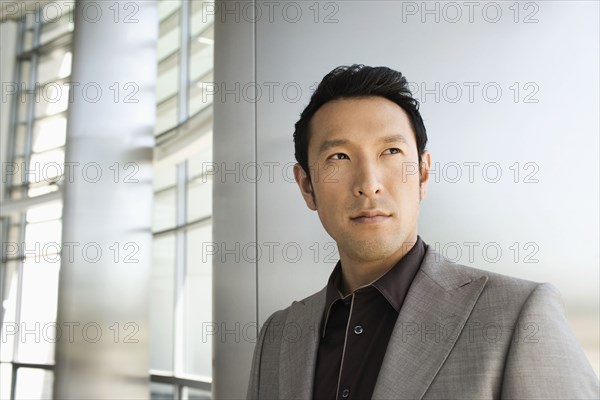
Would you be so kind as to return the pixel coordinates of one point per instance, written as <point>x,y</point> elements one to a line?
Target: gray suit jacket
<point>462,333</point>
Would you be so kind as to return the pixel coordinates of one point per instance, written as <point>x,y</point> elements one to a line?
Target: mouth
<point>370,217</point>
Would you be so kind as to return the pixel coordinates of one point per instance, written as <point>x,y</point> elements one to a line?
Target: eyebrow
<point>394,139</point>
<point>328,144</point>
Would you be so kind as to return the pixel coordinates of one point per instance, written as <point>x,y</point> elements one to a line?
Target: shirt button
<point>345,393</point>
<point>358,329</point>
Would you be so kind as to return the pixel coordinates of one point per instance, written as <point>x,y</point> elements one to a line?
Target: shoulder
<point>499,292</point>
<point>309,307</point>
<point>449,275</point>
<point>543,358</point>
<point>500,283</point>
<point>520,332</point>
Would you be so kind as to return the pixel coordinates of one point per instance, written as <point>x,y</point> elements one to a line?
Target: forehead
<point>362,120</point>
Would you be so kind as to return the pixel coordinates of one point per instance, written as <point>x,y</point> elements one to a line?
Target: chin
<point>372,249</point>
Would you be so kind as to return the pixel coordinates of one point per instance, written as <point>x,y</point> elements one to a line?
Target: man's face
<point>365,182</point>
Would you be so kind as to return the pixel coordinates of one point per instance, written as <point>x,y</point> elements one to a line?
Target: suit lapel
<point>299,347</point>
<point>434,313</point>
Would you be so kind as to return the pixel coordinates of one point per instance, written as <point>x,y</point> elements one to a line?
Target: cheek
<point>329,188</point>
<point>330,204</point>
<point>405,193</point>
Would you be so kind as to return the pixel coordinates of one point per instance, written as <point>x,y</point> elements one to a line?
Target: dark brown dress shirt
<point>356,329</point>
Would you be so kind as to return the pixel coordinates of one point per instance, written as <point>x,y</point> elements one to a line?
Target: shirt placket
<point>343,391</point>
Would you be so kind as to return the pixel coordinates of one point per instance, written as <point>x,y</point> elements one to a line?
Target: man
<point>396,320</point>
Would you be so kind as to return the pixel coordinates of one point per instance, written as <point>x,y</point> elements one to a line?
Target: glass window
<point>5,377</point>
<point>167,7</point>
<point>199,198</point>
<point>56,64</point>
<point>45,212</point>
<point>161,391</point>
<point>53,98</point>
<point>201,163</point>
<point>165,209</point>
<point>198,394</point>
<point>187,236</point>
<point>9,306</point>
<point>168,78</point>
<point>30,284</point>
<point>49,133</point>
<point>33,384</point>
<point>201,94</point>
<point>201,55</point>
<point>166,115</point>
<point>201,18</point>
<point>41,235</point>
<point>201,59</point>
<point>164,177</point>
<point>199,189</point>
<point>47,166</point>
<point>170,33</point>
<point>166,93</point>
<point>44,187</point>
<point>162,303</point>
<point>57,19</point>
<point>38,310</point>
<point>198,302</point>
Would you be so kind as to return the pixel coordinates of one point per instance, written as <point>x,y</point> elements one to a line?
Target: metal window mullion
<point>42,366</point>
<point>184,61</point>
<point>20,274</point>
<point>47,47</point>
<point>30,115</point>
<point>27,155</point>
<point>184,392</point>
<point>4,228</point>
<point>206,28</point>
<point>14,112</point>
<point>189,225</point>
<point>8,193</point>
<point>169,379</point>
<point>166,100</point>
<point>13,381</point>
<point>21,205</point>
<point>180,268</point>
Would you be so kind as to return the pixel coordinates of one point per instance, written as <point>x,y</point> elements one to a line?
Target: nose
<point>367,182</point>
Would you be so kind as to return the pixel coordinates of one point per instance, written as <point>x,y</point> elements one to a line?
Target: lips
<point>370,216</point>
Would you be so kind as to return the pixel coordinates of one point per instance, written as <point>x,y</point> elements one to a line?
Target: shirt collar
<point>393,285</point>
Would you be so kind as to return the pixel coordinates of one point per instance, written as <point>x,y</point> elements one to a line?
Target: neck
<point>357,272</point>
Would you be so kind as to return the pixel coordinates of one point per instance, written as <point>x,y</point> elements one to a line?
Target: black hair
<point>359,81</point>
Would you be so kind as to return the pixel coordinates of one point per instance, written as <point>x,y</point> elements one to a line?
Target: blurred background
<point>150,222</point>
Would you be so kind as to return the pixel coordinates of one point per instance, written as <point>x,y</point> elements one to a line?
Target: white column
<point>103,292</point>
<point>234,203</point>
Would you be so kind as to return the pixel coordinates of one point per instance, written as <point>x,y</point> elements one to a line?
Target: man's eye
<point>393,150</point>
<point>339,156</point>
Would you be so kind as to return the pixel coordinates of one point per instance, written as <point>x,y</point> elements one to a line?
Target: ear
<point>305,186</point>
<point>424,174</point>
